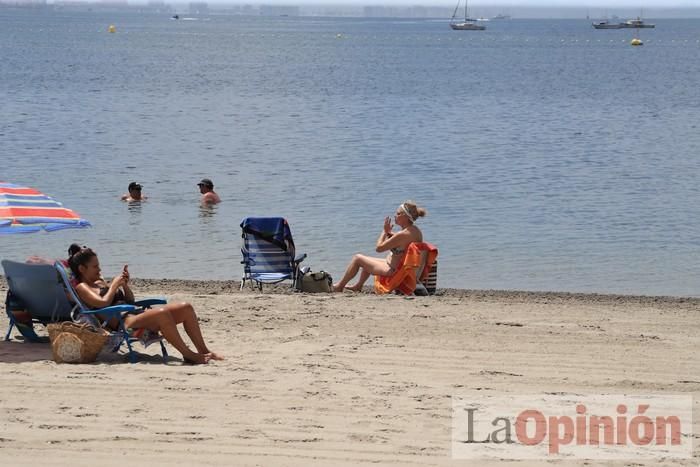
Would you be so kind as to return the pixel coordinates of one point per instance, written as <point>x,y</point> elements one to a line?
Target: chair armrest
<point>299,258</point>
<point>149,302</point>
<point>112,310</point>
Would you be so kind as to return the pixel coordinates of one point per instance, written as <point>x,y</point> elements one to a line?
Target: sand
<point>343,379</point>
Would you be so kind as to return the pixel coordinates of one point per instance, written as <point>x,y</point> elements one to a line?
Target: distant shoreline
<point>226,287</point>
<point>361,10</point>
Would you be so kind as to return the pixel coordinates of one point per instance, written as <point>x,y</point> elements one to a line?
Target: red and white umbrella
<point>26,210</point>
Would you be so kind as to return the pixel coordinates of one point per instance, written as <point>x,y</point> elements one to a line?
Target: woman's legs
<point>364,275</point>
<point>165,320</point>
<point>184,313</point>
<point>369,266</point>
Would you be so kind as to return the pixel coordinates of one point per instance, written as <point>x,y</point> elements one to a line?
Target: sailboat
<point>468,24</point>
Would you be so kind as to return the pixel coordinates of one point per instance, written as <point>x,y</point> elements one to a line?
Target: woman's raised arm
<point>93,299</point>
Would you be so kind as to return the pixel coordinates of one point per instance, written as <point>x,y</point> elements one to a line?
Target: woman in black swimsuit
<point>396,243</point>
<point>97,293</point>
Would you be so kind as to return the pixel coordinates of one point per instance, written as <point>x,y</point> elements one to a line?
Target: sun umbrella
<point>26,210</point>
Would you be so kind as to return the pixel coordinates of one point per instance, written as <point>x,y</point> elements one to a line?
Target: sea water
<point>550,156</point>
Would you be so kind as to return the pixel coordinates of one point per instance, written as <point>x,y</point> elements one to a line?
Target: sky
<point>662,4</point>
<point>636,4</point>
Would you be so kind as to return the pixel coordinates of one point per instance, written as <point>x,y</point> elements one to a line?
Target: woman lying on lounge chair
<point>97,293</point>
<point>395,243</point>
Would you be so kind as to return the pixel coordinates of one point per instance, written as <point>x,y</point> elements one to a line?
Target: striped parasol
<point>26,210</point>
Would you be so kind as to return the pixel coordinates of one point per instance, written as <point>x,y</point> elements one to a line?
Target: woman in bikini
<point>393,242</point>
<point>96,293</point>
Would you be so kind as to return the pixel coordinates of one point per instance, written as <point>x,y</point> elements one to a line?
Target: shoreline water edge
<point>220,287</point>
<point>217,287</point>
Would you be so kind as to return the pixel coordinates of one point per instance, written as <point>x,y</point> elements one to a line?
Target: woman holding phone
<point>96,293</point>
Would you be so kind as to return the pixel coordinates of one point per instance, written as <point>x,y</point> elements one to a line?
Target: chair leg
<point>165,352</point>
<point>132,356</point>
<point>9,330</point>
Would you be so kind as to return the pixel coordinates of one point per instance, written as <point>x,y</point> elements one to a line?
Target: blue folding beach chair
<point>36,296</point>
<point>123,334</point>
<point>268,252</point>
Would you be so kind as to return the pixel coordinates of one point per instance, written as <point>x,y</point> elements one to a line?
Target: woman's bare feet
<point>354,288</point>
<point>337,288</point>
<point>215,356</point>
<point>197,359</point>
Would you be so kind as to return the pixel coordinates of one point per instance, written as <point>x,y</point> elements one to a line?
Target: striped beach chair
<point>268,251</point>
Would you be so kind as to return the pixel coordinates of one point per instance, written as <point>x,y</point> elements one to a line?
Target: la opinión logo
<point>582,426</point>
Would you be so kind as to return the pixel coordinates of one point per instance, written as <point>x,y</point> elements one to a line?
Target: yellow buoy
<point>111,28</point>
<point>636,41</point>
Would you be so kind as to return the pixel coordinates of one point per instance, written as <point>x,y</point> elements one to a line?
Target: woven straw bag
<point>76,343</point>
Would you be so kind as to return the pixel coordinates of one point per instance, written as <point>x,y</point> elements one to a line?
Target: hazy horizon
<point>656,4</point>
<point>520,9</point>
<point>503,4</point>
<point>497,3</point>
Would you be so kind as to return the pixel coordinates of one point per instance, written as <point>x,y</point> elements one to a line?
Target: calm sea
<point>550,156</point>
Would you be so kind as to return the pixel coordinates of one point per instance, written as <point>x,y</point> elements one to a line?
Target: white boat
<point>605,24</point>
<point>636,23</point>
<point>469,24</point>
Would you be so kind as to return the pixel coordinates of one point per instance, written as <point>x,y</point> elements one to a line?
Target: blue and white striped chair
<point>269,255</point>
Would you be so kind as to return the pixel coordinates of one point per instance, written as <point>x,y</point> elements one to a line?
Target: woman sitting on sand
<point>396,243</point>
<point>96,293</point>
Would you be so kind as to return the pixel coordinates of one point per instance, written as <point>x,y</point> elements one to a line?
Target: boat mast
<point>456,9</point>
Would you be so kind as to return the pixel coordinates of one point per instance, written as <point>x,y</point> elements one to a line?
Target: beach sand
<point>344,379</point>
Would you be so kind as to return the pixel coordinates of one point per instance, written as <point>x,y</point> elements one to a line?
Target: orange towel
<point>404,280</point>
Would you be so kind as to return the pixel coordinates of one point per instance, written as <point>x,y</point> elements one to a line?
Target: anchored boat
<point>469,24</point>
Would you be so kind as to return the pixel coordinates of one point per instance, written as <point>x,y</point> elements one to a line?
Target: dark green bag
<point>314,282</point>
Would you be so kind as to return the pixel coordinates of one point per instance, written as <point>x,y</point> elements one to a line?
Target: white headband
<point>405,211</point>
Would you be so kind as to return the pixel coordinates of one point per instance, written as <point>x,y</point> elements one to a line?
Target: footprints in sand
<point>497,373</point>
<point>133,426</point>
<point>182,388</point>
<point>367,438</point>
<point>59,427</point>
<point>295,440</point>
<point>645,337</point>
<point>256,434</point>
<point>507,323</point>
<point>250,434</point>
<point>87,375</point>
<point>179,436</point>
